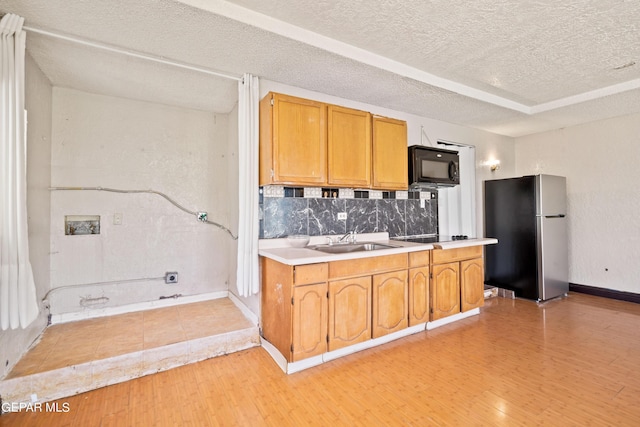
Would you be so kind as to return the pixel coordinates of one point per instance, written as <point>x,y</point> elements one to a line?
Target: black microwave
<point>433,167</point>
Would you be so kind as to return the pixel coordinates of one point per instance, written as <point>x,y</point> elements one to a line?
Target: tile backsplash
<point>401,213</point>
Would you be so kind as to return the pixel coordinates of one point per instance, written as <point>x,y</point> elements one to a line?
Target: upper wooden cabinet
<point>349,147</point>
<point>389,154</point>
<point>309,143</point>
<point>293,141</point>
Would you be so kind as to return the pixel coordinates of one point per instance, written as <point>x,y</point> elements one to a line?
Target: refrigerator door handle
<point>555,216</point>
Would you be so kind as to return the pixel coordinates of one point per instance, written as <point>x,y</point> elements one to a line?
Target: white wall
<point>488,145</point>
<point>13,343</point>
<point>600,161</point>
<point>125,144</point>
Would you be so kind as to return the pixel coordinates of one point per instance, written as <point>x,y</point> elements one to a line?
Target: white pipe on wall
<point>173,202</point>
<point>133,54</point>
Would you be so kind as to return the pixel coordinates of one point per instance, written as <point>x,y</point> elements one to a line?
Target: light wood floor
<point>574,361</point>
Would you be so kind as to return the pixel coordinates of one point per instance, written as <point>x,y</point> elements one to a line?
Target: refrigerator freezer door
<point>553,270</point>
<point>551,195</point>
<point>510,216</point>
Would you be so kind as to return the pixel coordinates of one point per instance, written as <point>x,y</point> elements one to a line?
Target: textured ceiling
<point>497,65</point>
<point>531,52</point>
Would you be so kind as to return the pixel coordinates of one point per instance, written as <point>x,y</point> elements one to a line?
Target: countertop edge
<point>302,256</point>
<point>465,243</point>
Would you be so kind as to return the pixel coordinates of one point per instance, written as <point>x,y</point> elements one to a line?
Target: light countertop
<point>280,250</point>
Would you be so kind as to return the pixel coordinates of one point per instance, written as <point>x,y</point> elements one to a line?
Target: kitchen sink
<point>343,248</point>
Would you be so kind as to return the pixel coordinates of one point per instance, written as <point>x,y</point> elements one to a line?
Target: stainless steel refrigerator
<point>528,217</point>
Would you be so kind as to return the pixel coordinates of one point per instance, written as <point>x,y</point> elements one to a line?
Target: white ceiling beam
<point>586,96</point>
<point>270,24</point>
<point>267,23</point>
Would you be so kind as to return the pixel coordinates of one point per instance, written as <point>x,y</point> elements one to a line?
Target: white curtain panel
<point>18,306</point>
<point>248,128</point>
<point>457,205</point>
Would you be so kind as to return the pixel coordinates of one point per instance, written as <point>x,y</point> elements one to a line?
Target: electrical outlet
<point>171,277</point>
<point>117,219</point>
<point>342,216</point>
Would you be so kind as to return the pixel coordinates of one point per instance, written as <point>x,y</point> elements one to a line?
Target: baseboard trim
<point>244,309</point>
<point>129,308</point>
<point>293,367</point>
<point>453,318</point>
<point>605,293</point>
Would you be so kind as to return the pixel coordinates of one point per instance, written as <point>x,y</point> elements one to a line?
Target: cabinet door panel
<point>309,321</point>
<point>349,312</point>
<point>418,295</point>
<point>389,154</point>
<point>471,284</point>
<point>389,303</point>
<point>445,290</point>
<point>277,281</point>
<point>299,141</point>
<point>349,147</point>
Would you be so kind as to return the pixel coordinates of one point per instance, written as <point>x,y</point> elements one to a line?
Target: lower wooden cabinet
<point>294,308</point>
<point>309,323</point>
<point>418,295</point>
<point>308,310</point>
<point>419,287</point>
<point>471,284</point>
<point>457,283</point>
<point>445,290</point>
<point>349,312</point>
<point>390,298</point>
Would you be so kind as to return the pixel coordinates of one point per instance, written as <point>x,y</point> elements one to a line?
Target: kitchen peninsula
<point>318,306</point>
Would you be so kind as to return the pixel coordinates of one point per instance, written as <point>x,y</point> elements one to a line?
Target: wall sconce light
<point>493,165</point>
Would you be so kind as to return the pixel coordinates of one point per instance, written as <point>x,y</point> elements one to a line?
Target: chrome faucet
<point>350,236</point>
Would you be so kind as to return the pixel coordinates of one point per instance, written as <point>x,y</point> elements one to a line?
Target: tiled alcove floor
<point>78,356</point>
